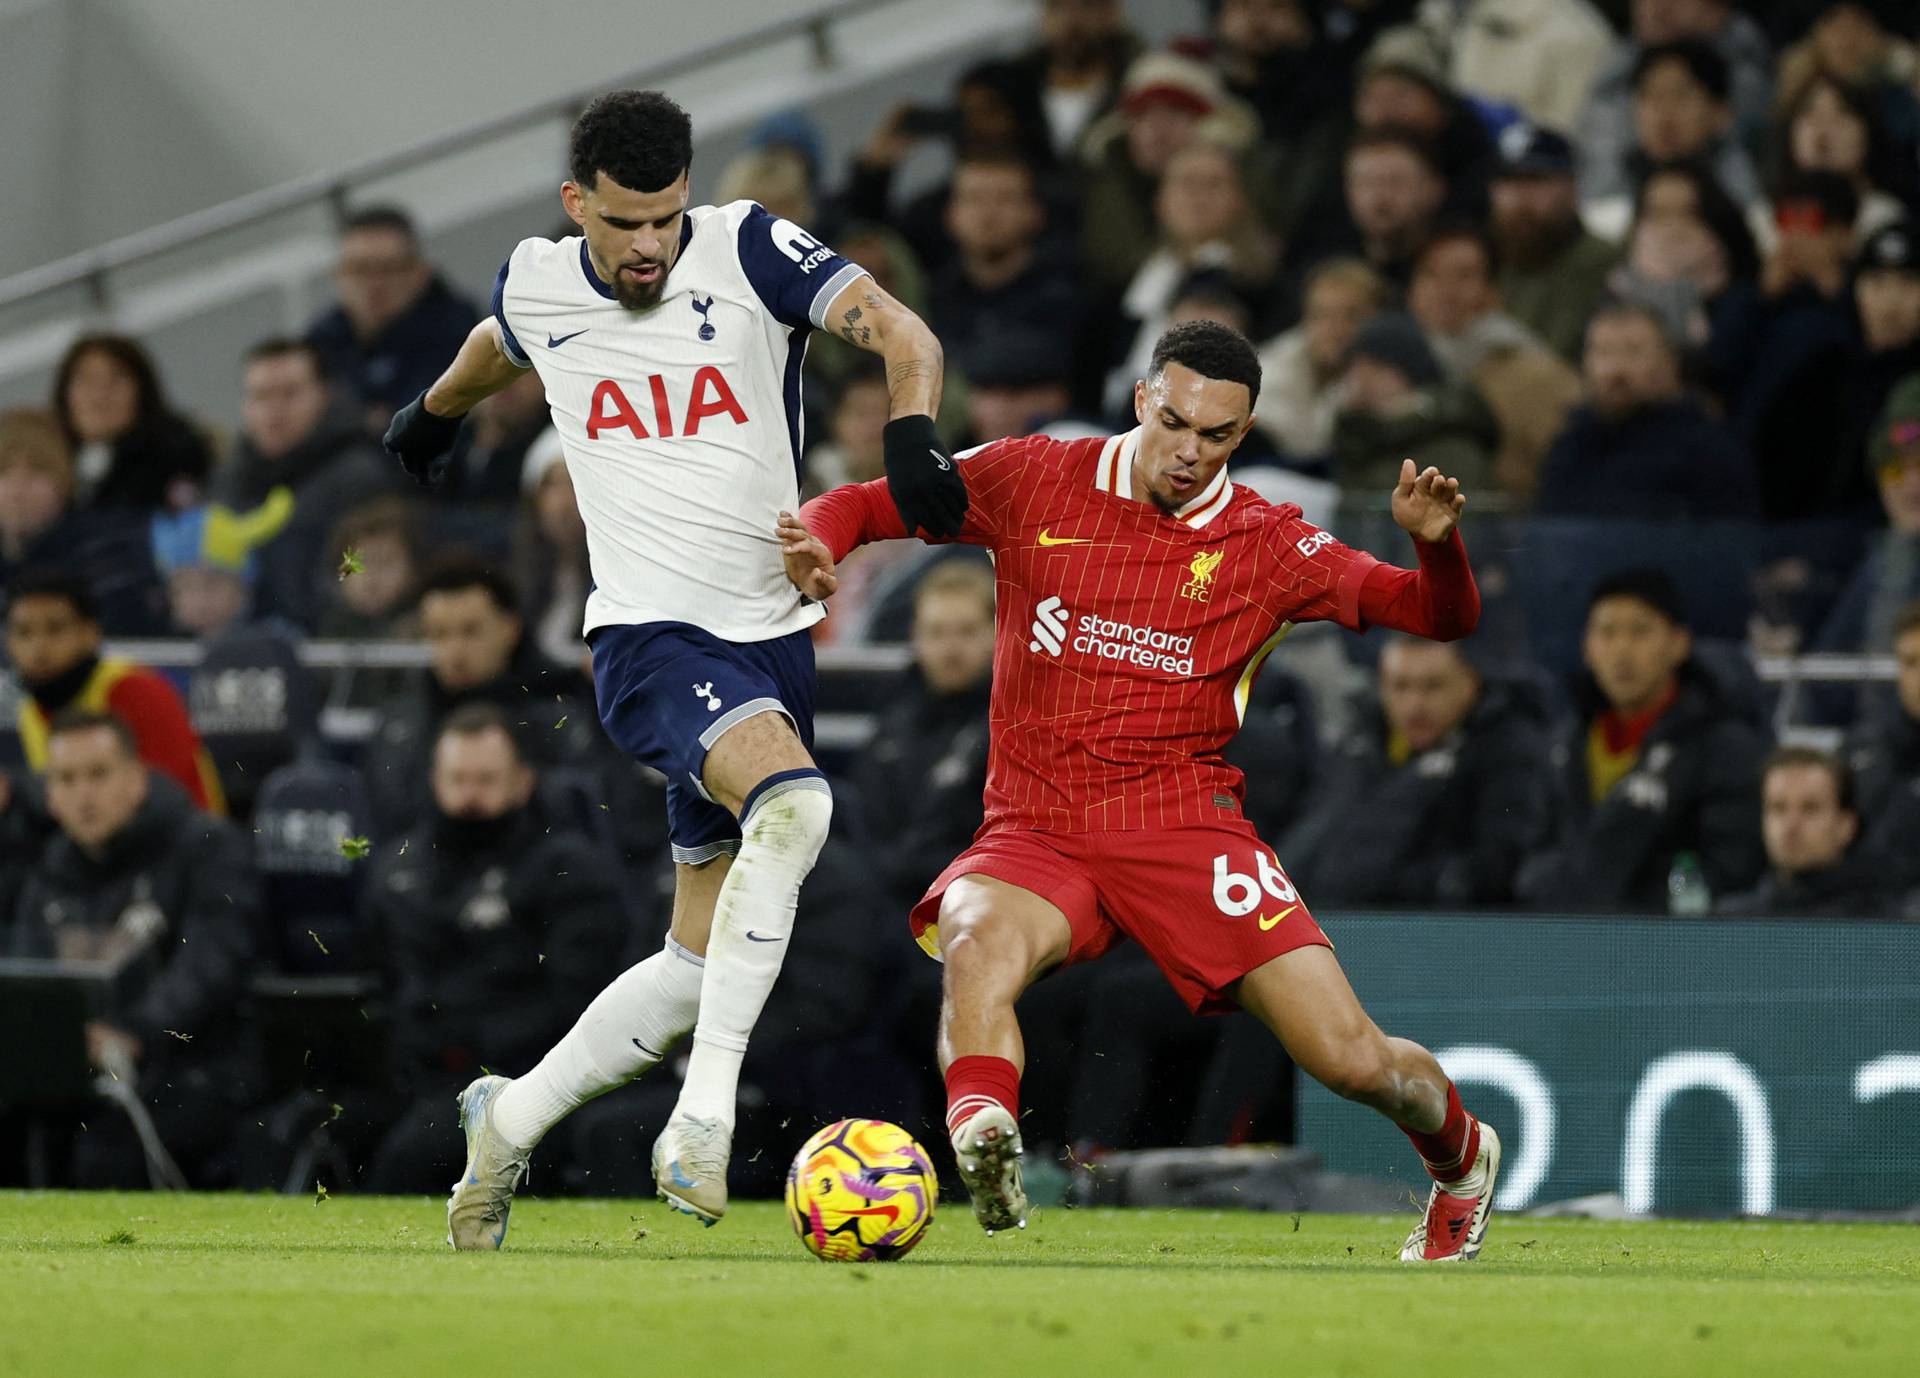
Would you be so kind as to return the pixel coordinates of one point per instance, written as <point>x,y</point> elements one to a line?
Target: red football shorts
<point>1209,904</point>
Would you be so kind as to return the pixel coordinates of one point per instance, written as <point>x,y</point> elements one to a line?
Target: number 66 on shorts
<point>1236,893</point>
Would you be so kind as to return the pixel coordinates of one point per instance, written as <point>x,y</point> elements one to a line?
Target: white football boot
<point>1457,1213</point>
<point>987,1148</point>
<point>690,1166</point>
<point>477,1210</point>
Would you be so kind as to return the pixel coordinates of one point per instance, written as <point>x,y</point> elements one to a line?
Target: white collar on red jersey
<point>1114,474</point>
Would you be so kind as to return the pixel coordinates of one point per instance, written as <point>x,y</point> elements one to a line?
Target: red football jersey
<point>1126,638</point>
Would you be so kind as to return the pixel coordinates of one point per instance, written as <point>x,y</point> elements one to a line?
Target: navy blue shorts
<point>667,690</point>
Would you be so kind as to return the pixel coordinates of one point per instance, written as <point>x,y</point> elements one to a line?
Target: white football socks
<point>627,1029</point>
<point>781,836</point>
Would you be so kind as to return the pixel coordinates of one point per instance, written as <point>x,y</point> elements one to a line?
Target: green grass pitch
<point>159,1285</point>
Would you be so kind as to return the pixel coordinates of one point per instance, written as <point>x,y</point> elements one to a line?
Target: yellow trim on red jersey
<point>1243,691</point>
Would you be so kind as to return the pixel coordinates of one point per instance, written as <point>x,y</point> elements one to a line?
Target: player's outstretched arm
<point>809,561</point>
<point>422,431</point>
<point>1440,600</point>
<point>921,476</point>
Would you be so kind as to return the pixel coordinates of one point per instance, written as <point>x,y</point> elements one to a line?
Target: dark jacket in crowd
<point>1850,890</point>
<point>112,553</point>
<point>1449,826</point>
<point>24,832</point>
<point>550,706</point>
<point>333,470</point>
<point>1868,385</point>
<point>919,784</point>
<point>403,360</point>
<point>497,933</point>
<point>176,884</point>
<point>1446,425</point>
<point>1789,409</point>
<point>162,465</point>
<point>1040,312</point>
<point>1670,460</point>
<point>1695,788</point>
<point>1884,752</point>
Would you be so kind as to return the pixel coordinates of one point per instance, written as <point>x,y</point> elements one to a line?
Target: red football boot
<point>1457,1213</point>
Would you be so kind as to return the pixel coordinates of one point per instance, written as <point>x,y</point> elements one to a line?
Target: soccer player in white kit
<point>670,341</point>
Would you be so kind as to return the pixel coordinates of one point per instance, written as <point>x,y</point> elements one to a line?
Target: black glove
<point>420,441</point>
<point>922,478</point>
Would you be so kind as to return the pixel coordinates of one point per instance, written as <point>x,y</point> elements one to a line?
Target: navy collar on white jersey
<point>593,278</point>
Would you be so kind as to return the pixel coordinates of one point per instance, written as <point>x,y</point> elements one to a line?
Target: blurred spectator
<point>854,449</point>
<point>1884,752</point>
<point>1886,305</point>
<point>1394,190</point>
<point>1640,447</point>
<point>1437,799</point>
<point>1540,56</point>
<point>1606,131</point>
<point>53,644</point>
<point>1681,112</point>
<point>994,109</point>
<point>397,324</point>
<point>1692,258</point>
<point>486,465</point>
<point>1018,390</point>
<point>480,652</point>
<point>1300,370</point>
<point>921,777</point>
<point>1865,44</point>
<point>205,554</point>
<point>1167,100</point>
<point>1204,224</point>
<point>1402,85</point>
<point>298,432</point>
<point>494,933</point>
<point>1553,271</point>
<point>1789,409</point>
<point>1530,391</point>
<point>1809,821</point>
<point>1084,50</point>
<point>130,448</point>
<point>550,554</point>
<point>1831,126</point>
<point>375,602</point>
<point>40,525</point>
<point>1888,575</point>
<point>779,178</point>
<point>998,284</point>
<point>1396,404</point>
<point>137,875</point>
<point>1660,772</point>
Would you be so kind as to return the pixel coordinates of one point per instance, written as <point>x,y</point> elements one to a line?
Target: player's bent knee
<point>789,812</point>
<point>1360,1069</point>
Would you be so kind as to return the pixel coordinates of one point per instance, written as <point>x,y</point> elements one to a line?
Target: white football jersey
<point>681,425</point>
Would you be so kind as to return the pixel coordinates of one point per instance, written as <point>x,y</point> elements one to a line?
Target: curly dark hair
<point>640,139</point>
<point>1211,350</point>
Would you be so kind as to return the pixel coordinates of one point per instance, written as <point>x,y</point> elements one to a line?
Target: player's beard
<point>639,296</point>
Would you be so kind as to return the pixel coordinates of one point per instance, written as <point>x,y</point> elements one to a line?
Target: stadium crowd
<point>1645,277</point>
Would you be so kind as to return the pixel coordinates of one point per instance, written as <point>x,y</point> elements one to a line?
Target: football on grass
<point>861,1191</point>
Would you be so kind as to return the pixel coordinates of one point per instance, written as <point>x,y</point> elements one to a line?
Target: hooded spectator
<point>1659,773</point>
<point>1396,404</point>
<point>1640,447</point>
<point>131,449</point>
<point>1300,370</point>
<point>53,645</point>
<point>1553,271</point>
<point>40,525</point>
<point>1454,299</point>
<point>397,322</point>
<point>1438,799</point>
<point>1809,822</point>
<point>137,875</point>
<point>301,433</point>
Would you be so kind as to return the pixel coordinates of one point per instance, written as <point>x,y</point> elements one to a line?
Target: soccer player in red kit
<point>1138,593</point>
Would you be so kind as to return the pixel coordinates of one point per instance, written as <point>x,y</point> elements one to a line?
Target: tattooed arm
<point>865,316</point>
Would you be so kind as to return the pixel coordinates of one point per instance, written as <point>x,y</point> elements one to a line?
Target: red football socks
<point>1450,1150</point>
<point>976,1082</point>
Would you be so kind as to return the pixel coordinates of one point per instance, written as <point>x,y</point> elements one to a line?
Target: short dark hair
<point>1211,350</point>
<point>1653,587</point>
<point>1701,59</point>
<point>477,718</point>
<point>640,139</point>
<point>69,720</point>
<point>462,570</point>
<point>1628,309</point>
<point>381,218</point>
<point>53,582</point>
<point>281,346</point>
<point>1796,757</point>
<point>1456,229</point>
